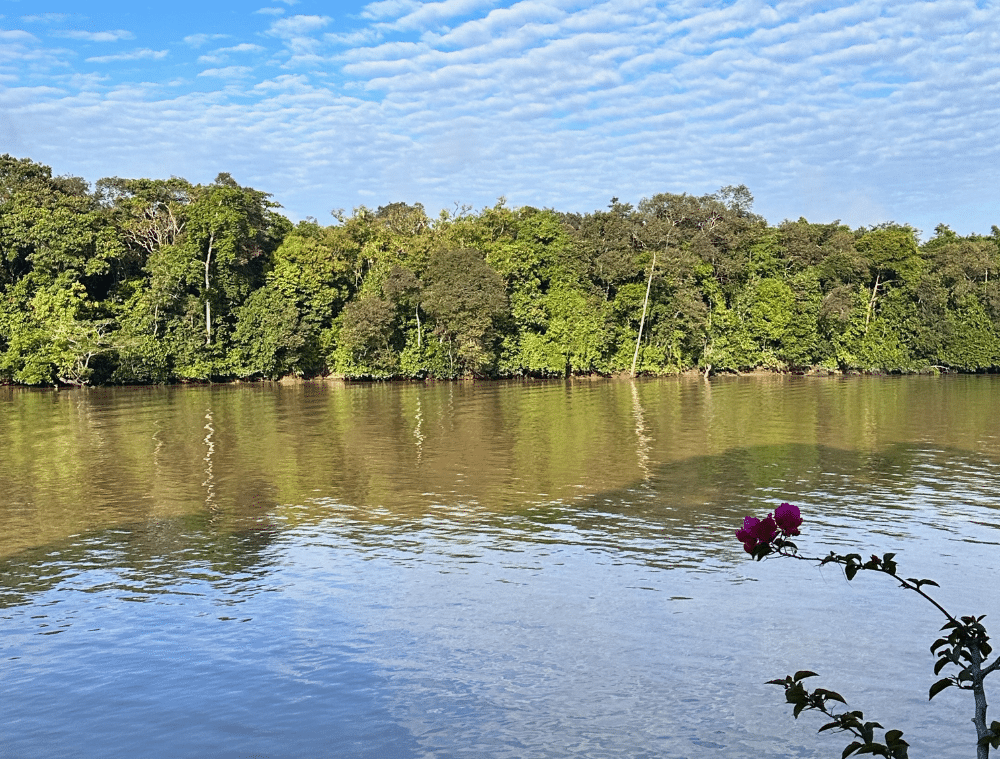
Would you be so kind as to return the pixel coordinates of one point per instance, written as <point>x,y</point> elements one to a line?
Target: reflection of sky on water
<point>195,663</point>
<point>557,633</point>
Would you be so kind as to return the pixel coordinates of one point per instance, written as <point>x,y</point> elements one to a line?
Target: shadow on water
<point>683,515</point>
<point>680,514</point>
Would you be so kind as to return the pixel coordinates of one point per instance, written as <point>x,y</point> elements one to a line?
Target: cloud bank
<point>864,111</point>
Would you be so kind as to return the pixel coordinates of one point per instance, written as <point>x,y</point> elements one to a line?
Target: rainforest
<point>148,281</point>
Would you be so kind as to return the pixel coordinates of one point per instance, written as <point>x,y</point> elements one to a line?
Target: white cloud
<point>295,26</point>
<point>17,35</point>
<point>228,72</point>
<point>286,83</point>
<point>270,11</point>
<point>24,58</point>
<point>222,54</point>
<point>46,18</point>
<point>353,38</point>
<point>243,47</point>
<point>834,109</point>
<point>132,55</point>
<point>429,15</point>
<point>197,40</point>
<point>109,36</point>
<point>389,9</point>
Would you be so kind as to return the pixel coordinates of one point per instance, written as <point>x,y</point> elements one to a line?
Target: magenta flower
<point>788,519</point>
<point>766,530</point>
<point>756,531</point>
<point>746,535</point>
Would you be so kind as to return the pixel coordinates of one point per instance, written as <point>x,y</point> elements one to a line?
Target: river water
<point>536,569</point>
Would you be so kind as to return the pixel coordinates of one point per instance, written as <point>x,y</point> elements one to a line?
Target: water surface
<point>481,570</point>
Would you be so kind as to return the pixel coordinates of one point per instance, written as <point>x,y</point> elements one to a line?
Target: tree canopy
<point>151,281</point>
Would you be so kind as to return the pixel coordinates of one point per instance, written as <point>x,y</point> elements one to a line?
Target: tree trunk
<point>208,303</point>
<point>871,303</point>
<point>645,304</point>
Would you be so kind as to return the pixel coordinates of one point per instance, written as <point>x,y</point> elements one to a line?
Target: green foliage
<point>465,300</point>
<point>852,722</point>
<point>146,280</point>
<point>270,338</point>
<point>965,645</point>
<point>365,339</point>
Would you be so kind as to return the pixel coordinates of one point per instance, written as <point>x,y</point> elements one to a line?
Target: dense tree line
<point>149,281</point>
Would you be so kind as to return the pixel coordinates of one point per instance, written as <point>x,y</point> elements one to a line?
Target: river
<point>514,569</point>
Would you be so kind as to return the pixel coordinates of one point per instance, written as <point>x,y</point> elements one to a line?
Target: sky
<point>866,111</point>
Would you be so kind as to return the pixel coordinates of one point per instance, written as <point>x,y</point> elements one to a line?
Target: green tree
<point>198,282</point>
<point>59,257</point>
<point>466,302</point>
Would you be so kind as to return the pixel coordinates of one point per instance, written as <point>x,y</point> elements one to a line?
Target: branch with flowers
<point>964,644</point>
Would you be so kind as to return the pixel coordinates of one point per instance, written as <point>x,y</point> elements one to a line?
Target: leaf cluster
<point>966,646</point>
<point>802,699</point>
<point>777,546</point>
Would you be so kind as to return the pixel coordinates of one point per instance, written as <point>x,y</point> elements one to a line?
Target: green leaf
<point>851,748</point>
<point>795,694</point>
<point>938,643</point>
<point>829,694</point>
<point>851,570</point>
<point>940,665</point>
<point>929,582</point>
<point>892,736</point>
<point>995,729</point>
<point>802,674</point>
<point>939,686</point>
<point>888,557</point>
<point>829,726</point>
<point>868,730</point>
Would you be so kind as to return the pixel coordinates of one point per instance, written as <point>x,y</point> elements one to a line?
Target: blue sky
<point>862,111</point>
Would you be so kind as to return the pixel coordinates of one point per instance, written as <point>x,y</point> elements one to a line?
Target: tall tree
<point>466,300</point>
